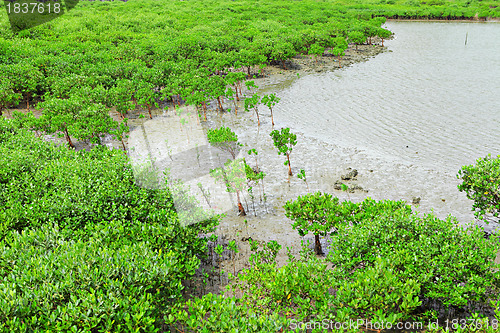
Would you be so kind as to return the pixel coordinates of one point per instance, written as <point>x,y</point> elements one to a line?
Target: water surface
<point>432,100</point>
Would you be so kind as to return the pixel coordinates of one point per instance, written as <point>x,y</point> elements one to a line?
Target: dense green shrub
<point>156,51</point>
<point>216,313</point>
<point>377,294</point>
<point>481,183</point>
<point>316,213</point>
<point>44,184</point>
<point>452,264</point>
<point>82,246</point>
<point>225,139</point>
<point>7,95</point>
<point>304,290</point>
<point>380,269</point>
<point>321,213</point>
<point>52,284</point>
<point>271,296</point>
<point>284,141</point>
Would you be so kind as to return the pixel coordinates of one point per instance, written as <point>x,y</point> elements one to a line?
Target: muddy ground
<point>325,164</point>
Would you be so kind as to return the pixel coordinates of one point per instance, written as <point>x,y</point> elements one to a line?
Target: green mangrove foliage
<point>7,95</point>
<point>253,103</point>
<point>384,268</point>
<point>357,37</point>
<point>224,139</point>
<point>322,213</point>
<point>284,141</point>
<point>180,52</point>
<point>83,248</point>
<point>302,175</point>
<point>315,213</point>
<point>233,175</point>
<point>452,264</point>
<point>53,284</point>
<point>270,101</point>
<point>481,183</point>
<point>422,9</point>
<point>75,117</point>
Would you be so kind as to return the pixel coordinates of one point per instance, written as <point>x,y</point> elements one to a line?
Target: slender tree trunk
<point>240,87</point>
<point>220,104</point>
<point>66,134</point>
<point>382,42</point>
<point>149,110</point>
<point>123,144</point>
<point>272,117</point>
<point>317,245</point>
<point>248,70</point>
<point>246,203</point>
<point>204,110</point>
<point>240,206</point>
<point>236,91</point>
<point>289,166</point>
<point>258,118</point>
<point>235,107</point>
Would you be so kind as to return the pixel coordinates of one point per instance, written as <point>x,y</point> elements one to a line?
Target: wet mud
<point>325,164</point>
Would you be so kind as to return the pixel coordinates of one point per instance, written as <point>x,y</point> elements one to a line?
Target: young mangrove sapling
<point>253,103</point>
<point>233,175</point>
<point>224,139</point>
<point>284,141</point>
<point>313,212</point>
<point>270,101</point>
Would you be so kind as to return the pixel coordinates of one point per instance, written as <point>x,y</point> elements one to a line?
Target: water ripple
<point>431,93</point>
